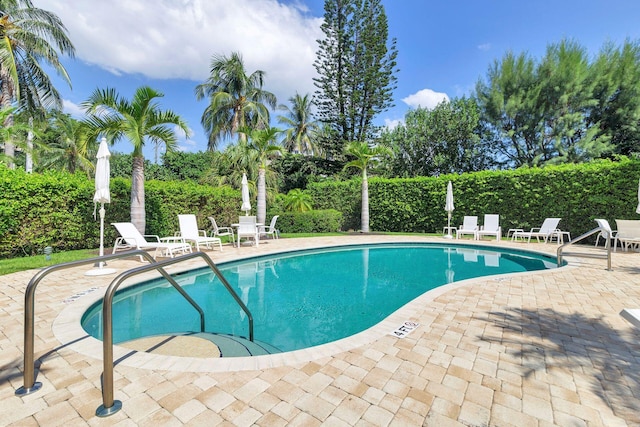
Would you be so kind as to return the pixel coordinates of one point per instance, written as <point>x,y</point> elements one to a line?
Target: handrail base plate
<point>23,391</point>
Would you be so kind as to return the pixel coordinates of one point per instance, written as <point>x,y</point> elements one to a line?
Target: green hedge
<point>56,209</point>
<point>318,221</point>
<point>522,197</point>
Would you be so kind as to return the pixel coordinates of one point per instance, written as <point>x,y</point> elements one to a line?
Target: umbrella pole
<point>102,232</point>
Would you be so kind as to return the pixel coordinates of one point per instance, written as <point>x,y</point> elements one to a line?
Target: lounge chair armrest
<point>152,236</point>
<point>534,230</point>
<point>202,233</point>
<point>172,239</point>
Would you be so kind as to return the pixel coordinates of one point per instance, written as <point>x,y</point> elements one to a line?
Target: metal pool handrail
<point>109,405</point>
<point>29,384</point>
<point>561,253</point>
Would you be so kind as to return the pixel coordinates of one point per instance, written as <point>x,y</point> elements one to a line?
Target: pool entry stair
<point>200,344</point>
<point>225,344</point>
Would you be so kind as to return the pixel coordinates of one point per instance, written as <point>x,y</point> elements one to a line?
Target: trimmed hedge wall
<point>56,209</point>
<point>522,197</point>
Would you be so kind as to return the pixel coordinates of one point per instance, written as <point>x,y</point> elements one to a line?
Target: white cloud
<point>484,46</point>
<point>72,108</point>
<point>392,124</point>
<point>425,98</point>
<point>165,39</point>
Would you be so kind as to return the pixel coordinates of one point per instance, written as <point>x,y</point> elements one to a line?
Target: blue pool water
<point>302,299</point>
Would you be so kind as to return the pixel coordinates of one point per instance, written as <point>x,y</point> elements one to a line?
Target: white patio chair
<point>190,233</point>
<point>270,230</point>
<point>469,226</point>
<point>222,231</point>
<point>547,231</point>
<point>248,228</point>
<point>491,227</point>
<point>131,238</point>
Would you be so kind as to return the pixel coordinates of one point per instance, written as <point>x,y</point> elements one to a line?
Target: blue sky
<point>443,47</point>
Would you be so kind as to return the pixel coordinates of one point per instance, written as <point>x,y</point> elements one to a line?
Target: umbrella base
<point>447,236</point>
<point>100,271</point>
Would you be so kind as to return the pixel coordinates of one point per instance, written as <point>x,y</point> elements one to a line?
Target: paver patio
<point>527,349</point>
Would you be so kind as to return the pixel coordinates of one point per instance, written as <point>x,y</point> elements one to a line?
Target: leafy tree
<point>181,166</point>
<point>10,133</point>
<point>443,140</point>
<point>356,69</point>
<point>615,74</point>
<point>261,143</point>
<point>29,38</point>
<point>365,156</point>
<point>537,113</point>
<point>236,100</point>
<point>138,120</point>
<point>299,135</point>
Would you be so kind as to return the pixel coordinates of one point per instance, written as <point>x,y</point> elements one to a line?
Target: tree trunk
<point>262,197</point>
<point>138,217</point>
<point>5,102</point>
<point>364,215</point>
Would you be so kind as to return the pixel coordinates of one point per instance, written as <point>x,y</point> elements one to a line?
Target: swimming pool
<point>303,299</point>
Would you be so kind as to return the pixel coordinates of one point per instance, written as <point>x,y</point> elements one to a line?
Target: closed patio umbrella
<point>246,202</point>
<point>102,196</point>
<point>449,208</point>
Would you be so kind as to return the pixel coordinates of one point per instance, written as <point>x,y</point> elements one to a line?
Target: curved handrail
<point>29,383</point>
<point>584,236</point>
<point>109,405</point>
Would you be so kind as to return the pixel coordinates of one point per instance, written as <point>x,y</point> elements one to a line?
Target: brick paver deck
<point>534,349</point>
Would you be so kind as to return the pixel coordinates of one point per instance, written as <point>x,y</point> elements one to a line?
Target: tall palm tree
<point>139,120</point>
<point>30,37</point>
<point>299,135</point>
<point>236,100</point>
<point>364,157</point>
<point>69,149</point>
<point>261,143</point>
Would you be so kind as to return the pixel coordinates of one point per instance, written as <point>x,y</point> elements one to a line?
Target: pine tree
<point>356,70</point>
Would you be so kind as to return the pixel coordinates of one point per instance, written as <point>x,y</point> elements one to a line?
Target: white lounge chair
<point>270,230</point>
<point>491,226</point>
<point>222,231</point>
<point>469,226</point>
<point>248,228</point>
<point>189,232</point>
<point>131,238</point>
<point>607,234</point>
<point>548,230</point>
<point>628,234</point>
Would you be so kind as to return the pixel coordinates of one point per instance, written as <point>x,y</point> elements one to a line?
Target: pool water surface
<point>307,298</point>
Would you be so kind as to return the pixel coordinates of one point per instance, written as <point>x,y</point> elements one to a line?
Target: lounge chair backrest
<point>491,222</point>
<point>606,228</point>
<point>549,225</point>
<point>470,223</point>
<point>188,226</point>
<point>628,228</point>
<point>130,234</point>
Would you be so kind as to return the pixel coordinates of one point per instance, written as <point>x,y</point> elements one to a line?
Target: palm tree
<point>236,100</point>
<point>29,37</point>
<point>297,200</point>
<point>138,120</point>
<point>364,156</point>
<point>261,144</point>
<point>298,137</point>
<point>69,148</point>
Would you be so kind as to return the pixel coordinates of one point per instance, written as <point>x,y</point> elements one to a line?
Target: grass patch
<point>13,265</point>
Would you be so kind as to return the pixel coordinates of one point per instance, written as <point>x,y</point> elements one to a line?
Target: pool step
<point>200,344</point>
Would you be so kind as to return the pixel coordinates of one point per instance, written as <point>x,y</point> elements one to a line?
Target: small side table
<point>513,231</point>
<point>448,231</point>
